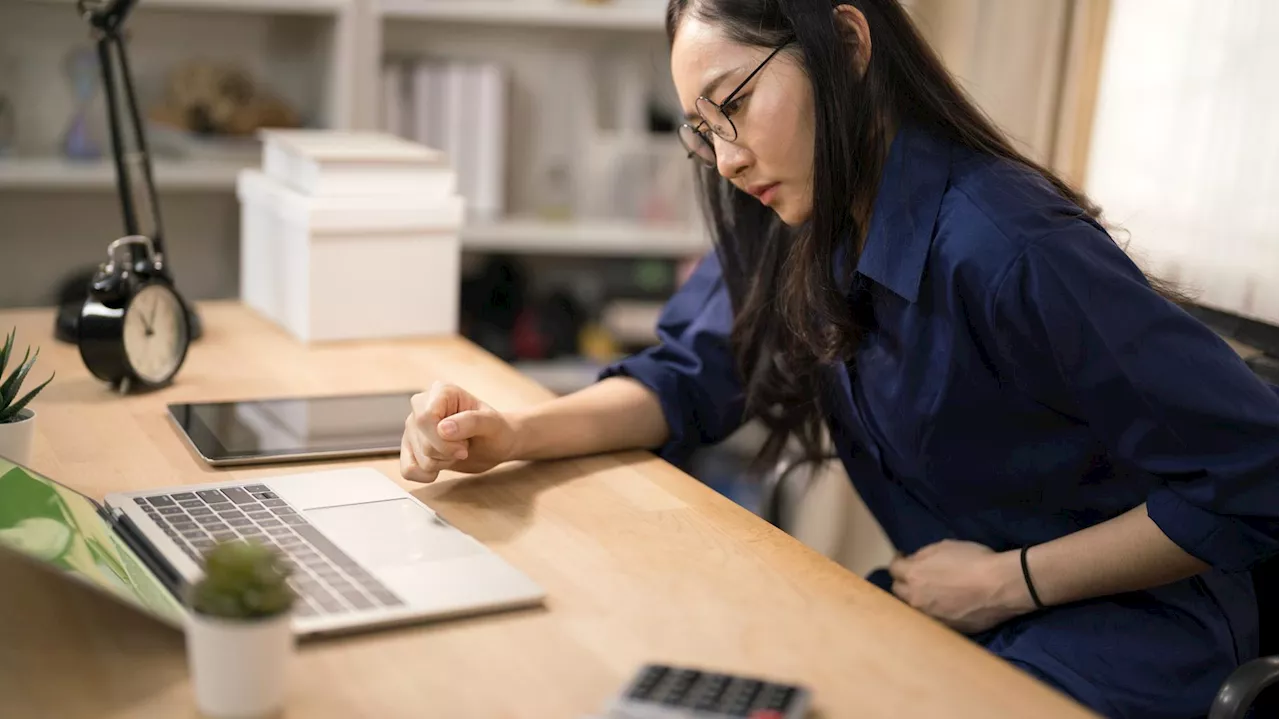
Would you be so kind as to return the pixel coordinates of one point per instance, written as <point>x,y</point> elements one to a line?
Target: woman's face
<point>772,158</point>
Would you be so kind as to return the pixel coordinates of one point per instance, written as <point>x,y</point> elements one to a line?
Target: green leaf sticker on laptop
<point>61,528</point>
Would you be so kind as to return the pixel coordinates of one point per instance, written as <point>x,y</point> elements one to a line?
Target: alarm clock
<point>133,331</point>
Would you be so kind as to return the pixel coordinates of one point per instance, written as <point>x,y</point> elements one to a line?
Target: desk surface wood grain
<point>640,562</point>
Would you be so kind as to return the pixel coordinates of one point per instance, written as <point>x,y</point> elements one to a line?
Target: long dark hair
<point>791,315</point>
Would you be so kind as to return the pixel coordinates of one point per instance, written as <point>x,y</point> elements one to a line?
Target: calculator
<point>660,691</point>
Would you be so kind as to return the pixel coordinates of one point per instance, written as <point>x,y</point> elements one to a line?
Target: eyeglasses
<point>716,117</point>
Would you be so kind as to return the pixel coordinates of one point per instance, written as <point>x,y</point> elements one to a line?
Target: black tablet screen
<point>295,428</point>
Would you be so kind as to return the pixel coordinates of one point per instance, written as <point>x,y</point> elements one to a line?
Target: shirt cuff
<point>1226,543</point>
<point>654,376</point>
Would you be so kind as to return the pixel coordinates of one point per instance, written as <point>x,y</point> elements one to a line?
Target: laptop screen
<point>55,525</point>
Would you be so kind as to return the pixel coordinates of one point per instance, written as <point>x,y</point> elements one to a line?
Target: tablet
<point>285,429</point>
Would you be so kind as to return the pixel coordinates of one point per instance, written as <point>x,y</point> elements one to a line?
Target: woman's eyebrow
<point>712,85</point>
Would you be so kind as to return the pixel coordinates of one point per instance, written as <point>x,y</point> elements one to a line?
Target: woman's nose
<point>731,158</point>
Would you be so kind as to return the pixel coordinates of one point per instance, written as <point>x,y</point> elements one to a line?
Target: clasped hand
<point>451,429</point>
<point>964,585</point>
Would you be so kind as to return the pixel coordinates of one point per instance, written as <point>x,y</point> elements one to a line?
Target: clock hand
<point>146,320</point>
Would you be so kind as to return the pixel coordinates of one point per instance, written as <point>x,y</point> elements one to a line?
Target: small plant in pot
<point>17,420</point>
<point>240,640</point>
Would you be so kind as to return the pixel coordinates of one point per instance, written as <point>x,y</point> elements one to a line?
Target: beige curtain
<point>1032,65</point>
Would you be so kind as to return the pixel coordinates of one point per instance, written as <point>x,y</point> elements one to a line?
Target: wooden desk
<point>640,562</point>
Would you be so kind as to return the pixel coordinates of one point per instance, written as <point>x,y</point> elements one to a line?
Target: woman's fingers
<point>898,567</point>
<point>468,424</point>
<point>428,411</point>
<point>414,442</point>
<point>409,467</point>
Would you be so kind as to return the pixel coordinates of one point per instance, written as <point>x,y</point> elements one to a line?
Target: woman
<point>992,370</point>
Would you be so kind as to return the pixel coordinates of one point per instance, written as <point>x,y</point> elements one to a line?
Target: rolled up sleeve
<point>1081,329</point>
<point>691,369</point>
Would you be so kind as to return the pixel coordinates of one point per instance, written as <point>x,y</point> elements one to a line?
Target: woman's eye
<point>734,105</point>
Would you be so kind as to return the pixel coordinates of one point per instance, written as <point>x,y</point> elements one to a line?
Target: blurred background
<point>559,117</point>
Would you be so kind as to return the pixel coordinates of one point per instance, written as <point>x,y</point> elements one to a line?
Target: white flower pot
<point>17,438</point>
<point>239,668</point>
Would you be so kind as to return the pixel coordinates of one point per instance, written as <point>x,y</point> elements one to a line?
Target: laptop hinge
<point>132,536</point>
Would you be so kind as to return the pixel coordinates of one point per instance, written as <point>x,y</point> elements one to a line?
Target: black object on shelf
<point>134,181</point>
<point>492,302</point>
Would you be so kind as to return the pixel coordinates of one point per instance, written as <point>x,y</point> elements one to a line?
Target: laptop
<point>365,552</point>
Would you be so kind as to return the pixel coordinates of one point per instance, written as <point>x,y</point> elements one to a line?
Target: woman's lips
<point>765,193</point>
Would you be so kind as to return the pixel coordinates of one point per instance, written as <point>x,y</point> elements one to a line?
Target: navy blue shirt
<point>1024,381</point>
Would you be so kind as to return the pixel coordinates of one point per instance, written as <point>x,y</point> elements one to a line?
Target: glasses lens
<point>697,145</point>
<point>716,120</point>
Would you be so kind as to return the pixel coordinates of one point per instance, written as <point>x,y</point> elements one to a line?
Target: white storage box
<point>336,268</point>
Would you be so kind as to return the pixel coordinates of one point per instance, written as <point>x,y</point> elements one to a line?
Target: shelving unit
<point>56,174</point>
<point>536,38</point>
<point>293,7</point>
<point>603,239</point>
<point>623,15</point>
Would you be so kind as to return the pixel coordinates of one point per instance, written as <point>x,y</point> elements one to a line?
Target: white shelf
<point>644,15</point>
<point>595,238</point>
<point>268,7</point>
<point>62,174</point>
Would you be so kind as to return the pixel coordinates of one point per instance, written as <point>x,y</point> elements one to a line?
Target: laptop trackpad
<point>393,533</point>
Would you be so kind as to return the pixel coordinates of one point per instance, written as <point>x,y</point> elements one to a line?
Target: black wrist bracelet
<point>1026,574</point>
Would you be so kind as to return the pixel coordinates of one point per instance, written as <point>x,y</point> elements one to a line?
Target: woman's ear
<point>852,25</point>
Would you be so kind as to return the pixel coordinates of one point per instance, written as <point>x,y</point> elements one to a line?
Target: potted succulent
<point>239,635</point>
<point>17,420</point>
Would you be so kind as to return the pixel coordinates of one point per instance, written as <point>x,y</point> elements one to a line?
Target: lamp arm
<point>135,182</point>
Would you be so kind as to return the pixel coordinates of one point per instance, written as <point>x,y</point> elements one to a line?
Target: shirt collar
<point>906,209</point>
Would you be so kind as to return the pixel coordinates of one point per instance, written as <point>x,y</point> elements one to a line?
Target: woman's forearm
<point>1124,554</point>
<point>611,415</point>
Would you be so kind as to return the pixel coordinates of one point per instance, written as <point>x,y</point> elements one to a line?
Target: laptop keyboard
<point>326,580</point>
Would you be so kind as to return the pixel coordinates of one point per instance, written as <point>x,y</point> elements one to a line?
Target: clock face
<point>155,334</point>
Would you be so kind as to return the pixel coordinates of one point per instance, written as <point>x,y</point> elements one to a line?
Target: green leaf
<point>4,353</point>
<point>10,414</point>
<point>9,389</point>
<point>242,580</point>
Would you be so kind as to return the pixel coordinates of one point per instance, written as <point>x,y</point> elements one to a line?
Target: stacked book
<point>349,235</point>
<point>325,163</point>
<point>461,109</point>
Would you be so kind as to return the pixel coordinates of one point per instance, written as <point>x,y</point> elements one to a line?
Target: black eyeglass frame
<point>720,106</point>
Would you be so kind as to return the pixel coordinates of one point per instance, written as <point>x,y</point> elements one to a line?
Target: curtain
<point>1009,56</point>
<point>1183,153</point>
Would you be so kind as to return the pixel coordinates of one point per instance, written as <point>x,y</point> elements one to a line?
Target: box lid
<point>336,147</point>
<point>342,214</point>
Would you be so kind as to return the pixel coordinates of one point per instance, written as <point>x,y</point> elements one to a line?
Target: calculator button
<point>648,681</point>
<point>677,685</point>
<point>739,697</point>
<point>775,697</point>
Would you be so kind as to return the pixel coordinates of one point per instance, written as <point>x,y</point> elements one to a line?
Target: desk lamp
<point>134,182</point>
